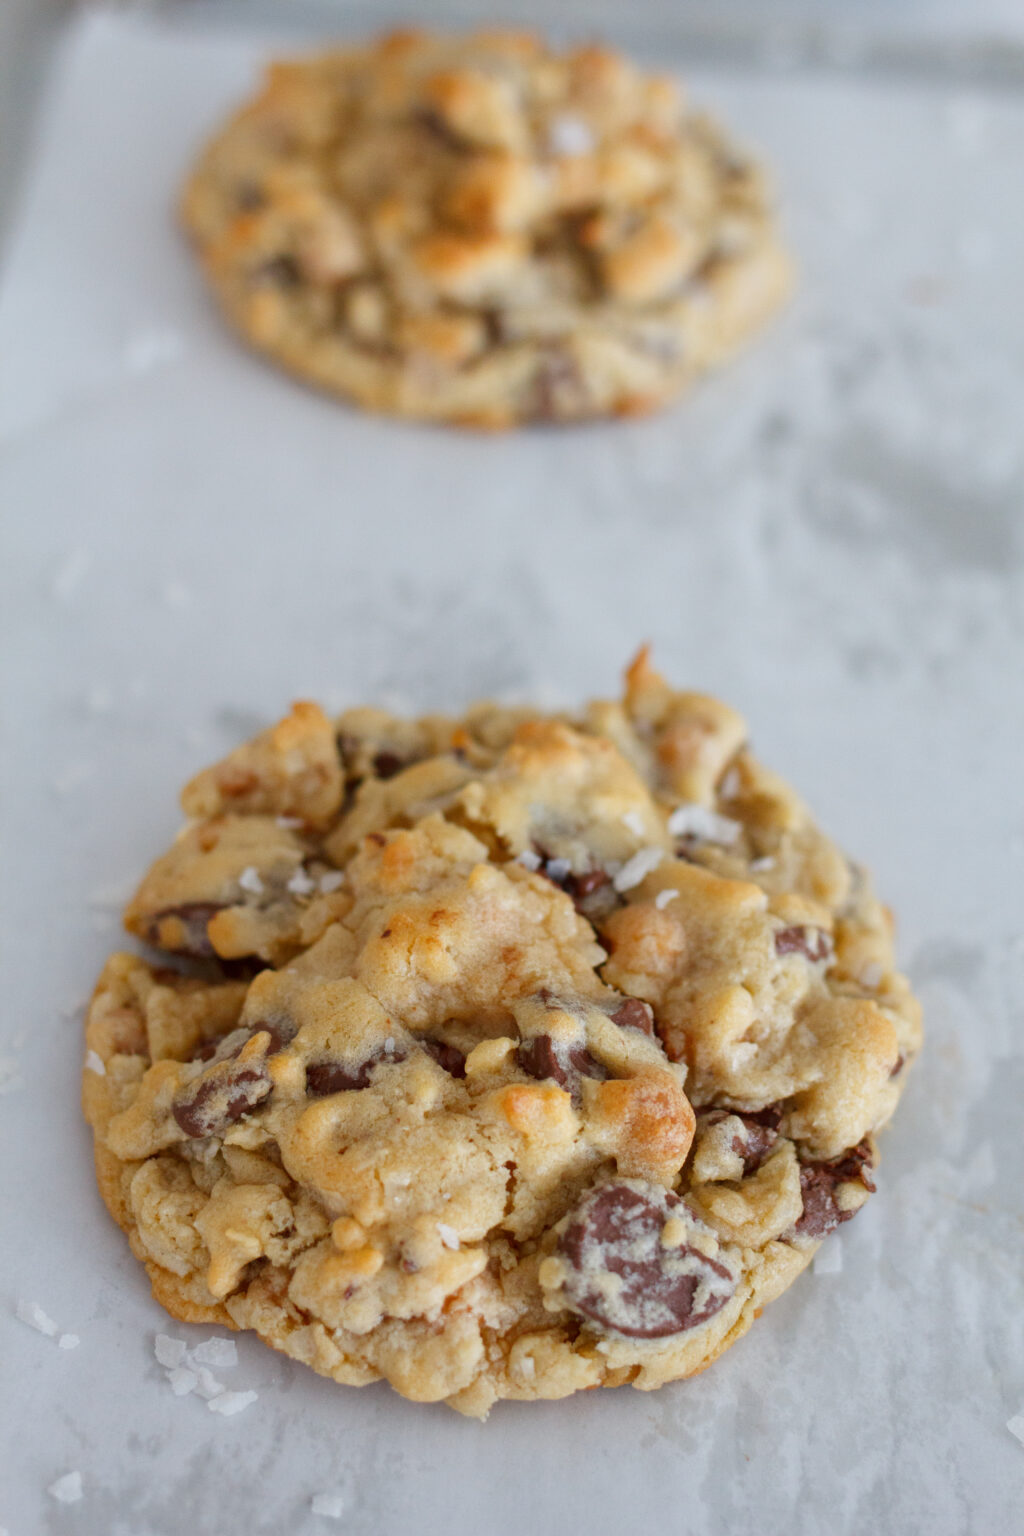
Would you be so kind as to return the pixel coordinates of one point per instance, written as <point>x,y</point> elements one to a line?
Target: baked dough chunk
<point>477,229</point>
<point>497,1057</point>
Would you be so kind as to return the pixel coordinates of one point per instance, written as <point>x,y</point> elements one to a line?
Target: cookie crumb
<point>31,1312</point>
<point>230,1403</point>
<point>330,1504</point>
<point>67,1489</point>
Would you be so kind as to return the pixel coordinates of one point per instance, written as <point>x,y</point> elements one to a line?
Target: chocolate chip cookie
<point>480,230</point>
<point>500,1056</point>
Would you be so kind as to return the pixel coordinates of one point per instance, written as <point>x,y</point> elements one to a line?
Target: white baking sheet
<point>830,535</point>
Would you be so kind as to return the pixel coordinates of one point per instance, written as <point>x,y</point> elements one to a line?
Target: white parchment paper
<point>830,535</point>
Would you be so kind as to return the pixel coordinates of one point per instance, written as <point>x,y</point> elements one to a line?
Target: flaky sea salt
<point>330,1504</point>
<point>570,135</point>
<point>331,881</point>
<point>169,1352</point>
<point>829,1258</point>
<point>230,1403</point>
<point>31,1312</point>
<point>301,884</point>
<point>207,1384</point>
<point>67,1489</point>
<point>635,822</point>
<point>758,865</point>
<point>700,822</point>
<point>558,869</point>
<point>448,1235</point>
<point>218,1352</point>
<point>94,1063</point>
<point>528,859</point>
<point>664,897</point>
<point>1016,1427</point>
<point>249,880</point>
<point>182,1380</point>
<point>637,868</point>
<point>69,1341</point>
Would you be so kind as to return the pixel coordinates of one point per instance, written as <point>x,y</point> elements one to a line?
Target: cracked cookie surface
<point>499,1056</point>
<point>480,230</point>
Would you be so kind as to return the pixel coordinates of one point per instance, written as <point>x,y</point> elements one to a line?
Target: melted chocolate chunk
<point>813,943</point>
<point>193,917</point>
<point>580,887</point>
<point>229,1046</point>
<point>821,1214</point>
<point>327,1077</point>
<point>447,1056</point>
<point>633,1014</point>
<point>221,1096</point>
<point>622,1277</point>
<point>758,1137</point>
<point>387,764</point>
<point>566,1065</point>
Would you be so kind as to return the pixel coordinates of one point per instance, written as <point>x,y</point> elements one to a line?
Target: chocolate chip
<point>633,1014</point>
<point>818,1181</point>
<point>540,1057</point>
<point>616,1231</point>
<point>447,1056</point>
<point>814,943</point>
<point>221,1096</point>
<point>229,1046</point>
<point>282,271</point>
<point>901,1062</point>
<point>582,886</point>
<point>193,917</point>
<point>327,1077</point>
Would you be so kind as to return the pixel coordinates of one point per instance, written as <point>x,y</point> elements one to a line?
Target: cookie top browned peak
<point>436,198</point>
<point>570,1028</point>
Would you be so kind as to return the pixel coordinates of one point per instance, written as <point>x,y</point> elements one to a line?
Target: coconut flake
<point>829,1258</point>
<point>638,868</point>
<point>68,1341</point>
<point>215,1351</point>
<point>169,1352</point>
<point>701,822</point>
<point>301,884</point>
<point>663,898</point>
<point>67,1489</point>
<point>570,135</point>
<point>31,1312</point>
<point>94,1063</point>
<point>1016,1427</point>
<point>448,1235</point>
<point>528,859</point>
<point>331,881</point>
<point>230,1403</point>
<point>767,862</point>
<point>330,1504</point>
<point>249,880</point>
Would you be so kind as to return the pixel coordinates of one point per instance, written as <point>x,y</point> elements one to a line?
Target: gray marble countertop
<point>830,535</point>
